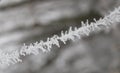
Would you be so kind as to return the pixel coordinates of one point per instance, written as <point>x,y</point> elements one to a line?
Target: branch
<point>45,46</point>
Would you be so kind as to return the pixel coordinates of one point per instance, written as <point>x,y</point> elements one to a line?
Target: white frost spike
<point>94,19</point>
<point>41,46</point>
<point>22,50</point>
<point>87,23</point>
<point>62,37</point>
<point>13,57</point>
<point>76,34</point>
<point>83,24</point>
<point>49,44</point>
<point>75,29</point>
<point>70,30</point>
<point>55,40</point>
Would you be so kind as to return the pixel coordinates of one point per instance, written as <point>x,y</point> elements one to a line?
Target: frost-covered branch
<point>101,25</point>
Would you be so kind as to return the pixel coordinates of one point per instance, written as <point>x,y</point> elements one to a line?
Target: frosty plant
<point>103,24</point>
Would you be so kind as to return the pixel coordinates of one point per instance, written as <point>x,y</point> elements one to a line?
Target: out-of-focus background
<point>28,21</point>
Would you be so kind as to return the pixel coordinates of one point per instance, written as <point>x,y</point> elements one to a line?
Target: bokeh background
<point>28,21</point>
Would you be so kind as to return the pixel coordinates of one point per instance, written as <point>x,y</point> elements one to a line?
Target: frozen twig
<point>45,46</point>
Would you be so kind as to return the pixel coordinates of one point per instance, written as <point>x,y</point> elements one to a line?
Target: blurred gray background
<point>28,21</point>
